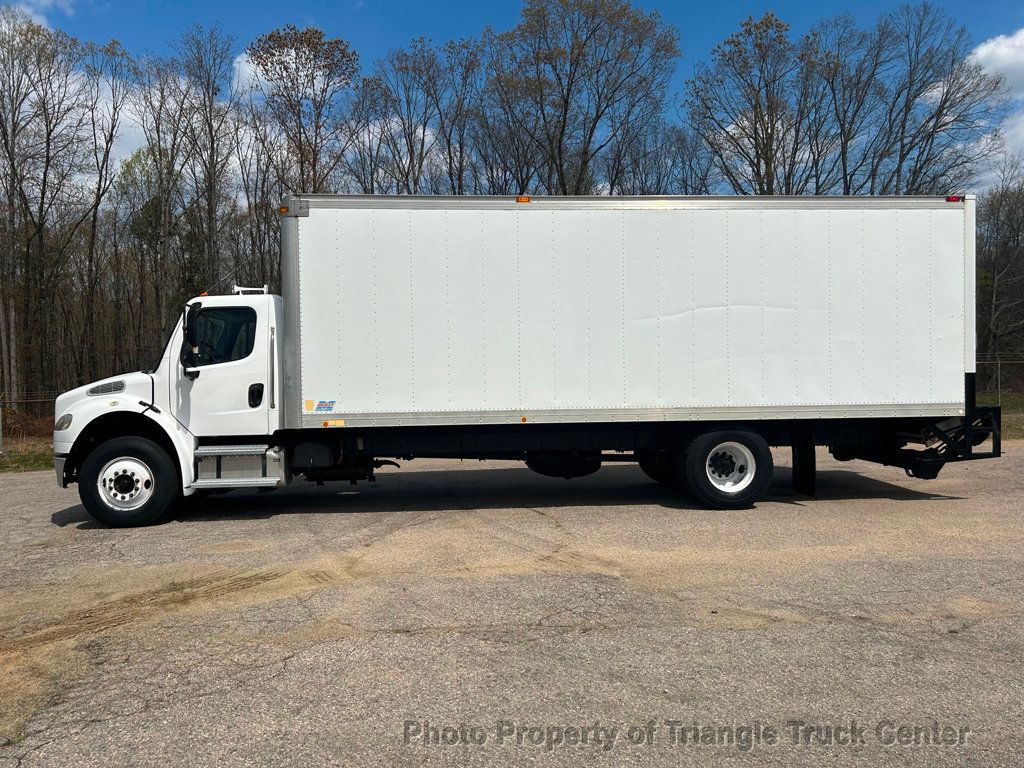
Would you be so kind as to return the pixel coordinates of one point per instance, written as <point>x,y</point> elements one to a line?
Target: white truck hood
<point>131,387</point>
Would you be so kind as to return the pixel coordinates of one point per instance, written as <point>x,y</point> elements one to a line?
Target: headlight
<point>62,423</point>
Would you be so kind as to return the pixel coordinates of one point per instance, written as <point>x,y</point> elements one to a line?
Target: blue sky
<point>375,26</point>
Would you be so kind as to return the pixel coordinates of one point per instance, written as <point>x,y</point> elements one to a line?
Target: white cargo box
<point>440,310</point>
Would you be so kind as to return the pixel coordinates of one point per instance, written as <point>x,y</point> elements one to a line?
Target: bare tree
<point>160,99</point>
<point>758,106</point>
<point>503,131</point>
<point>665,159</point>
<point>407,115</point>
<point>260,188</point>
<point>366,161</point>
<point>108,73</point>
<point>897,109</point>
<point>17,33</point>
<point>1001,265</point>
<point>52,202</point>
<point>584,72</point>
<point>852,63</point>
<point>207,64</point>
<point>454,89</point>
<point>940,107</point>
<point>304,77</point>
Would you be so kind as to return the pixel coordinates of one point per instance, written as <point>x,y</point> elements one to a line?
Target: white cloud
<point>1005,54</point>
<point>130,139</point>
<point>1013,131</point>
<point>40,9</point>
<point>244,73</point>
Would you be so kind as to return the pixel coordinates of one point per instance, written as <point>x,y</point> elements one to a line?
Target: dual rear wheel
<point>728,469</point>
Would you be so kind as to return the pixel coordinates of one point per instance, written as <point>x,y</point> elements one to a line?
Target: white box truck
<point>687,334</point>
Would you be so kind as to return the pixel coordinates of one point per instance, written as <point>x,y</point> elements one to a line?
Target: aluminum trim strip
<point>611,415</point>
<point>469,202</point>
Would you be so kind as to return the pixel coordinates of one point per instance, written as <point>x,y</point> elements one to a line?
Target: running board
<point>238,466</point>
<point>237,482</point>
<point>230,450</point>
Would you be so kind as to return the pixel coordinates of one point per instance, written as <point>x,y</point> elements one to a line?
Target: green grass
<point>26,454</point>
<point>1012,404</point>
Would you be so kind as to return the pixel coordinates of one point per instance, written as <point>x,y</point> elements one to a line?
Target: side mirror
<point>192,339</point>
<point>192,324</point>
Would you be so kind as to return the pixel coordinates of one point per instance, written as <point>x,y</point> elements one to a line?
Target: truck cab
<point>201,419</point>
<point>223,381</point>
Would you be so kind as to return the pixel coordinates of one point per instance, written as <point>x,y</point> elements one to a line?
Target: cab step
<point>236,482</point>
<point>238,466</point>
<point>231,450</point>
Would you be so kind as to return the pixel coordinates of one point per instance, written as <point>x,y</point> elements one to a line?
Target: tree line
<point>100,248</point>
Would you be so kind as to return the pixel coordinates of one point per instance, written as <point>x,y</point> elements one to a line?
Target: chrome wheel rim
<point>730,467</point>
<point>126,483</point>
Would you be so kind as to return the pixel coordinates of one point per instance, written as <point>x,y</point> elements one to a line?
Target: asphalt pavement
<point>479,614</point>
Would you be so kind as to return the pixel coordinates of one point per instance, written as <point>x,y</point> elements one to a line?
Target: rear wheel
<point>127,481</point>
<point>726,470</point>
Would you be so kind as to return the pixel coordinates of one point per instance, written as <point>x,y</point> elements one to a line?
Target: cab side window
<point>225,334</point>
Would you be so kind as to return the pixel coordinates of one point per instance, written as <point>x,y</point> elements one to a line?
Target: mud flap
<point>804,467</point>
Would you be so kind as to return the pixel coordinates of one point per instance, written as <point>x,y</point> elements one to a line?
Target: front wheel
<point>127,481</point>
<point>727,470</point>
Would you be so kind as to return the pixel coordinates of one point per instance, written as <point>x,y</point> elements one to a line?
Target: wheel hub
<point>722,464</point>
<point>730,467</point>
<point>125,483</point>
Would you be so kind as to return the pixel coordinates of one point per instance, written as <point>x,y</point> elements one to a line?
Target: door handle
<point>255,395</point>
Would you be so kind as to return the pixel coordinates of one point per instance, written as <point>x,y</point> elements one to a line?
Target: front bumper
<point>58,467</point>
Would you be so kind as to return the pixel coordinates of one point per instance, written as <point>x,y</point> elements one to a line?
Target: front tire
<point>127,481</point>
<point>727,470</point>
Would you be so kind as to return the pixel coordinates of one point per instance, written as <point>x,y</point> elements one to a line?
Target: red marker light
<point>954,198</point>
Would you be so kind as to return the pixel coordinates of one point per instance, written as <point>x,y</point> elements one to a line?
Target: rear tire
<point>127,481</point>
<point>730,469</point>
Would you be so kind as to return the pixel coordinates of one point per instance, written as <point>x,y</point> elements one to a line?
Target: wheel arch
<point>123,424</point>
<point>679,434</point>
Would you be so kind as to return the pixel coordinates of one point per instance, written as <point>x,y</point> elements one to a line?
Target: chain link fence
<point>1001,381</point>
<point>28,417</point>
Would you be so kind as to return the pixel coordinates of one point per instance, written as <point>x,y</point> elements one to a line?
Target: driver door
<point>220,387</point>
